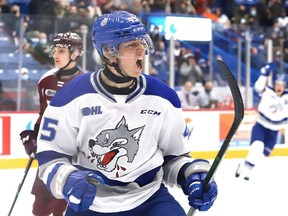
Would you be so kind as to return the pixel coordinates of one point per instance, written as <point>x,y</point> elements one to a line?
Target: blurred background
<point>246,34</point>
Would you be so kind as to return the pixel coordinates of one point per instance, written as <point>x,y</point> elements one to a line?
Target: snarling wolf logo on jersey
<point>112,144</point>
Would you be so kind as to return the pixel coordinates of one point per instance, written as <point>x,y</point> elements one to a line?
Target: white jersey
<point>133,143</point>
<point>272,109</point>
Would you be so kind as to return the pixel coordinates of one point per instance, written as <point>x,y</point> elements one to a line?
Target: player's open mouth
<point>139,63</point>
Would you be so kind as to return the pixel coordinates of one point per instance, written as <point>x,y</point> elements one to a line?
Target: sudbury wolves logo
<point>112,144</point>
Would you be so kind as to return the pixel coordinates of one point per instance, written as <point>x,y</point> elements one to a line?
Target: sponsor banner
<point>209,129</point>
<point>11,126</point>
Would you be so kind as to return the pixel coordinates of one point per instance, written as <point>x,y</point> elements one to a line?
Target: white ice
<point>265,194</point>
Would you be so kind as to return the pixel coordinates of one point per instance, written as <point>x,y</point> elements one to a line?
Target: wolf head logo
<point>112,144</point>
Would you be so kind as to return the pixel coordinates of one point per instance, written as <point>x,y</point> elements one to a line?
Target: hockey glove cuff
<point>267,69</point>
<point>28,138</point>
<point>80,189</point>
<point>194,174</point>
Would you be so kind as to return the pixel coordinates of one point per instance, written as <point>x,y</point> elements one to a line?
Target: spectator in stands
<point>189,98</point>
<point>60,11</point>
<point>146,6</point>
<point>253,20</point>
<point>189,70</point>
<point>72,18</point>
<point>282,19</point>
<point>241,19</point>
<point>208,13</point>
<point>160,62</point>
<point>255,63</point>
<point>275,6</point>
<point>85,11</point>
<point>200,6</point>
<point>177,50</point>
<point>41,49</point>
<point>186,7</point>
<point>264,15</point>
<point>72,11</point>
<point>156,37</point>
<point>43,9</point>
<point>276,34</point>
<point>110,6</point>
<point>4,7</point>
<point>203,64</point>
<point>285,50</point>
<point>177,59</point>
<point>95,7</point>
<point>222,19</point>
<point>208,96</point>
<point>162,6</point>
<point>133,6</point>
<point>13,23</point>
<point>228,7</point>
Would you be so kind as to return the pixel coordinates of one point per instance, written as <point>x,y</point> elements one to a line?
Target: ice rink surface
<point>265,194</point>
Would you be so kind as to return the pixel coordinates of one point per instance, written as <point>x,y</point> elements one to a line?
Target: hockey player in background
<point>65,50</point>
<point>110,140</point>
<point>272,116</point>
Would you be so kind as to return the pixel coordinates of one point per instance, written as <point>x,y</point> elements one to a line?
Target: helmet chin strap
<point>112,77</point>
<point>63,72</point>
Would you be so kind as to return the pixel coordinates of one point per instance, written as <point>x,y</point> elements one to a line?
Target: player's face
<point>279,88</point>
<point>61,56</point>
<point>131,57</point>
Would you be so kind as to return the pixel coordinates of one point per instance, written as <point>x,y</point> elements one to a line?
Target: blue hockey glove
<point>267,69</point>
<point>80,189</point>
<point>199,198</point>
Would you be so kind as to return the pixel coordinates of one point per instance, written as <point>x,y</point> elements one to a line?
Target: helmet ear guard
<point>109,50</point>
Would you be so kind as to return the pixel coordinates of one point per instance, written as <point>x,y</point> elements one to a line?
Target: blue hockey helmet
<point>280,77</point>
<point>111,30</point>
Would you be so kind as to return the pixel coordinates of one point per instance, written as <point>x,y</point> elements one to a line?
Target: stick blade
<point>236,94</point>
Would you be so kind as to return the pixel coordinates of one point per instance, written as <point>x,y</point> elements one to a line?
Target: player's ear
<point>76,53</point>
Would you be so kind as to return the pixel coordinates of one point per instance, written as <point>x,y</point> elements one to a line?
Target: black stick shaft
<point>22,182</point>
<point>238,116</point>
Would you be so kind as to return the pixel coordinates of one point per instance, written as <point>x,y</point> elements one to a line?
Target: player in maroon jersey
<point>65,50</point>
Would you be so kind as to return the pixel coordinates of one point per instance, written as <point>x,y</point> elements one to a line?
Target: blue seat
<point>36,74</point>
<point>8,74</point>
<point>9,57</point>
<point>8,48</point>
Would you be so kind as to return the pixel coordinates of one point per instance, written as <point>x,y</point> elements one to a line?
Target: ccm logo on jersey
<point>151,112</point>
<point>94,110</point>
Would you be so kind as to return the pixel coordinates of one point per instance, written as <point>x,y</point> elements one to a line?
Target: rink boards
<point>209,129</point>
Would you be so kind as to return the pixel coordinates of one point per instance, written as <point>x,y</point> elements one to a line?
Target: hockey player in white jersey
<point>110,140</point>
<point>272,116</point>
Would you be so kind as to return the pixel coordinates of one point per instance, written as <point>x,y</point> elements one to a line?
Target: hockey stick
<point>32,156</point>
<point>238,116</point>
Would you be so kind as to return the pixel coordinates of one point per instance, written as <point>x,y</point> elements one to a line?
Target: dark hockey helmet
<point>111,30</point>
<point>68,40</point>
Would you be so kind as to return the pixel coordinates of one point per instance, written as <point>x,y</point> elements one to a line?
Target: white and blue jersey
<point>272,109</point>
<point>133,142</point>
<point>272,115</point>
